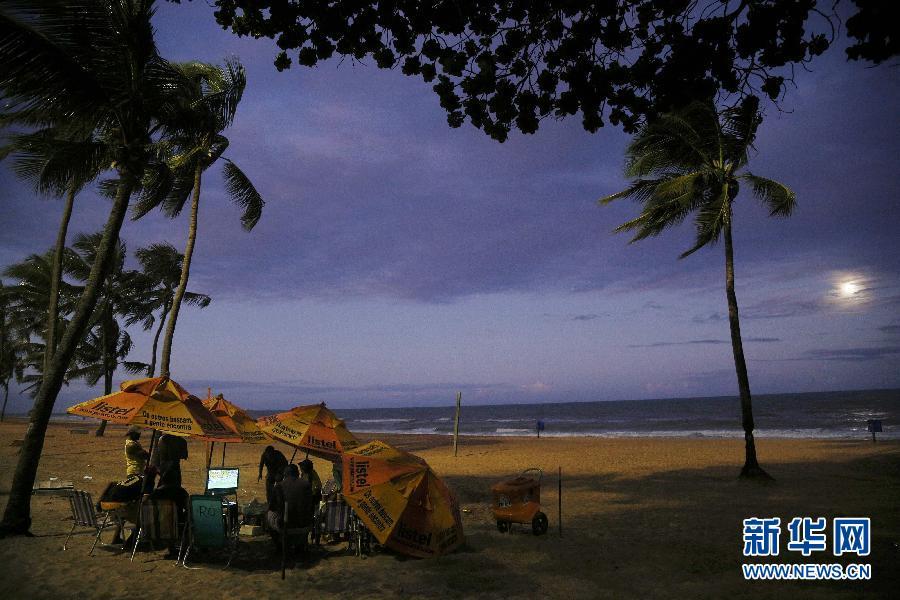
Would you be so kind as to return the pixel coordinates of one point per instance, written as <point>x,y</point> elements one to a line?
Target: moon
<point>849,288</point>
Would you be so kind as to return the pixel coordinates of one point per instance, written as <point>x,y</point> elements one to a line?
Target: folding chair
<point>360,538</point>
<point>85,515</point>
<point>333,519</point>
<point>209,526</point>
<point>290,530</point>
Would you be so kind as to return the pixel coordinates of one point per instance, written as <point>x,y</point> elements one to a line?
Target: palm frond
<point>710,221</point>
<point>777,197</point>
<point>244,194</point>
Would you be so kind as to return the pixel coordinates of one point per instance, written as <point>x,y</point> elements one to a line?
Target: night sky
<point>399,260</point>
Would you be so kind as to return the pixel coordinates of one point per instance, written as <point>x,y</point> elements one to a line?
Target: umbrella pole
<point>559,500</point>
<point>293,455</point>
<point>223,452</point>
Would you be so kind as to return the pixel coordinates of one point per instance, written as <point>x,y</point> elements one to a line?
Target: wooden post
<point>456,424</point>
<point>223,452</point>
<point>559,498</point>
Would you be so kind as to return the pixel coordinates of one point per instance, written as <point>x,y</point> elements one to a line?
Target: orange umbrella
<point>157,403</point>
<point>313,428</point>
<point>236,418</point>
<point>401,500</point>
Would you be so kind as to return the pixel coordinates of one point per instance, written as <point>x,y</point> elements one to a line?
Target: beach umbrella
<point>236,418</point>
<point>313,428</point>
<point>401,500</point>
<point>157,403</point>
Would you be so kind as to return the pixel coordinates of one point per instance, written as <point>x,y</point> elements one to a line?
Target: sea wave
<point>381,420</point>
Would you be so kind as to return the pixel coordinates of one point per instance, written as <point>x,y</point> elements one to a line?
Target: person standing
<point>308,473</point>
<point>275,463</point>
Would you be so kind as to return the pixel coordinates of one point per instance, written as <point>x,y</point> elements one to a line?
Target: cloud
<point>704,342</point>
<point>279,395</point>
<point>851,354</point>
<point>890,329</point>
<point>782,307</point>
<point>715,317</point>
<point>585,317</point>
<point>537,387</point>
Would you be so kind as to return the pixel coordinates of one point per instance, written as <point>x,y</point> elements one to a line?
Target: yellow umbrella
<point>313,428</point>
<point>233,417</point>
<point>236,418</point>
<point>157,403</point>
<point>401,500</point>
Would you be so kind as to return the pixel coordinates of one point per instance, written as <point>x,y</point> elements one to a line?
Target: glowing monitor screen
<point>222,479</point>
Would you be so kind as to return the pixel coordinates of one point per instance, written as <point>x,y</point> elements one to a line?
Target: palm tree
<point>85,61</point>
<point>691,162</point>
<point>160,273</point>
<point>58,160</point>
<point>198,145</point>
<point>118,297</point>
<point>26,305</point>
<point>10,348</point>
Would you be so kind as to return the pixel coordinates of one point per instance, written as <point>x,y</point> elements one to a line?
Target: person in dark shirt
<point>170,451</point>
<point>297,494</point>
<point>275,463</point>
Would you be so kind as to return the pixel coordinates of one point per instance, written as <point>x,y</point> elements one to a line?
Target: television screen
<point>222,479</point>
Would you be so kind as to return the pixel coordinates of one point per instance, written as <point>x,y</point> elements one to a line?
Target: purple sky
<point>399,260</point>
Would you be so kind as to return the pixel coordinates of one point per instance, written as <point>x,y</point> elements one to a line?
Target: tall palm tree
<point>198,145</point>
<point>160,273</point>
<point>691,162</point>
<point>89,61</point>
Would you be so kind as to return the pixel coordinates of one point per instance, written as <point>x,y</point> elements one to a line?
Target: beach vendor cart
<point>518,500</point>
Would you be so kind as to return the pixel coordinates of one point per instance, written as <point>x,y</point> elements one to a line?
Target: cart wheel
<point>502,526</point>
<point>539,524</point>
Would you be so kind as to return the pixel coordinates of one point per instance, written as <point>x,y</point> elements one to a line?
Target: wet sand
<point>641,517</point>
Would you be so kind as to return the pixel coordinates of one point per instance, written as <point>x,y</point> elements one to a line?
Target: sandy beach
<point>642,517</point>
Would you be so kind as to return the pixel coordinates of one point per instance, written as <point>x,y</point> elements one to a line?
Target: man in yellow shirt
<point>135,455</point>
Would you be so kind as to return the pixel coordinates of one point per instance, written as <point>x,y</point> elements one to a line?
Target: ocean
<point>816,415</point>
<point>827,415</point>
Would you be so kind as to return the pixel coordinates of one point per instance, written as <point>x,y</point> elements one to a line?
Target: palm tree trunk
<point>107,376</point>
<point>751,466</point>
<point>17,516</point>
<point>5,398</point>
<point>56,275</point>
<point>185,274</point>
<point>162,322</point>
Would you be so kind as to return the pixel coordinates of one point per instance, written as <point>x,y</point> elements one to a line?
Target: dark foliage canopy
<point>510,63</point>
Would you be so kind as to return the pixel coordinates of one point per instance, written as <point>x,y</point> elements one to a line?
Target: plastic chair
<point>85,515</point>
<point>209,527</point>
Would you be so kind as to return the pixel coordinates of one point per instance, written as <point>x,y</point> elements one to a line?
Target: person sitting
<point>275,463</point>
<point>135,463</point>
<point>135,455</point>
<point>167,461</point>
<point>296,493</point>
